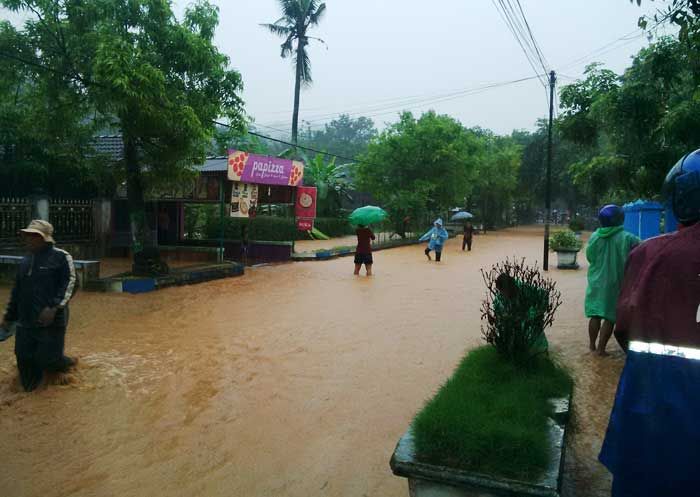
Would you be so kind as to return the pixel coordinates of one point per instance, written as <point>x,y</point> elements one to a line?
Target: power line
<point>628,38</point>
<point>89,82</point>
<point>461,95</point>
<point>540,54</point>
<point>519,38</point>
<point>418,103</point>
<point>400,102</point>
<point>609,47</point>
<point>302,147</point>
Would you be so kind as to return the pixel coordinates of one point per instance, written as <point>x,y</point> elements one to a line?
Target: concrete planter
<point>433,480</point>
<point>566,258</point>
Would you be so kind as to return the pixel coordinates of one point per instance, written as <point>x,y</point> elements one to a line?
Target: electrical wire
<point>628,38</point>
<point>524,45</point>
<point>416,103</point>
<point>540,54</point>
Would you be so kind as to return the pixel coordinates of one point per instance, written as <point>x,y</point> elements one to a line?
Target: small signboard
<point>305,224</point>
<point>306,202</point>
<point>244,199</point>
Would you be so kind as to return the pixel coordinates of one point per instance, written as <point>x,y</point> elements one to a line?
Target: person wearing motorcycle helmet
<point>607,252</point>
<point>652,444</point>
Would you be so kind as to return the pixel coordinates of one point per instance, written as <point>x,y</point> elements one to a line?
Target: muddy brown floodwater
<point>294,380</point>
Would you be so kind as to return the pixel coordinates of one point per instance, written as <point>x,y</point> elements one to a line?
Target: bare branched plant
<point>519,306</point>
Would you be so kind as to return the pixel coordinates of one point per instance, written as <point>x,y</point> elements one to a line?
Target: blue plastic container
<point>643,218</point>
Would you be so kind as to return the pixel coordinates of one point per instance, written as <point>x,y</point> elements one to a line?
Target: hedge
<point>275,229</point>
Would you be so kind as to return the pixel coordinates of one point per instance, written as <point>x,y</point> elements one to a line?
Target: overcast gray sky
<point>379,50</point>
<point>381,53</point>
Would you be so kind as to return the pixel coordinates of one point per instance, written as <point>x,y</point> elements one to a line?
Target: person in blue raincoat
<point>652,444</point>
<point>437,236</point>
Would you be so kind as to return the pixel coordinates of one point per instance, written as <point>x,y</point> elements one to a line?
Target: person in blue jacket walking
<point>437,236</point>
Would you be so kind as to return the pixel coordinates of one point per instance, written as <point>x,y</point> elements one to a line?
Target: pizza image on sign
<point>306,202</point>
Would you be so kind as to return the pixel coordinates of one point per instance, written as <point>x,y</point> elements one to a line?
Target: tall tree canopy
<point>345,136</point>
<point>298,16</point>
<point>635,126</point>
<point>44,138</point>
<point>419,166</point>
<point>158,81</point>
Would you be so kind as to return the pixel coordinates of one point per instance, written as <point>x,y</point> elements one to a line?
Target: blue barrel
<point>643,218</point>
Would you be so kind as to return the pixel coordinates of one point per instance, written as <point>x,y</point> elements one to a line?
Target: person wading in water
<point>44,285</point>
<point>363,251</point>
<point>607,254</point>
<point>468,235</point>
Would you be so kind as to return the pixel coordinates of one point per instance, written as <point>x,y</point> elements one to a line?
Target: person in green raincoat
<point>511,296</point>
<point>607,254</point>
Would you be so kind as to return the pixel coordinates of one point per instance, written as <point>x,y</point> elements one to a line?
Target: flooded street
<point>294,380</point>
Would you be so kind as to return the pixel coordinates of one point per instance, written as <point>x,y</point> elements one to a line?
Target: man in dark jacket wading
<point>43,287</point>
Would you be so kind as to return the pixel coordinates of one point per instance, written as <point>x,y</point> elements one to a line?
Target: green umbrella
<point>369,214</point>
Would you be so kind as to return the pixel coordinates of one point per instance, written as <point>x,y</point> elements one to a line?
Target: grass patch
<point>491,416</point>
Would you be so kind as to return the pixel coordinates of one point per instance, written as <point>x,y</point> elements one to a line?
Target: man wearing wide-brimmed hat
<point>43,287</point>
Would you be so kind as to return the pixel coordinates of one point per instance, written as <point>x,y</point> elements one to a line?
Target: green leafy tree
<point>420,166</point>
<point>639,126</point>
<point>298,16</point>
<point>344,136</point>
<point>496,180</point>
<point>331,181</point>
<point>158,81</point>
<point>577,99</point>
<point>44,136</point>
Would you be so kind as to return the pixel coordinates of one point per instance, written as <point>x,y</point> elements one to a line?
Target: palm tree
<point>298,16</point>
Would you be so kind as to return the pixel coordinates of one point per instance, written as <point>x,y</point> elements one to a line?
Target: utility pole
<point>548,187</point>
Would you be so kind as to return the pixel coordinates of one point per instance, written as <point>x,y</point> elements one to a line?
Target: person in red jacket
<point>652,444</point>
<point>363,252</point>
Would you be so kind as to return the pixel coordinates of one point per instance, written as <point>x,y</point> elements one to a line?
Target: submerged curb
<point>185,276</point>
<point>326,254</point>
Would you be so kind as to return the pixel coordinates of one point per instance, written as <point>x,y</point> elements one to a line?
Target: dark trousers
<point>467,242</point>
<point>438,254</point>
<point>38,350</point>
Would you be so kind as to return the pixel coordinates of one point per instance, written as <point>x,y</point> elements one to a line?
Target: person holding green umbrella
<point>363,251</point>
<point>362,218</point>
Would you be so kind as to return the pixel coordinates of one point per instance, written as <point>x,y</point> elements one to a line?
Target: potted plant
<point>567,246</point>
<point>497,426</point>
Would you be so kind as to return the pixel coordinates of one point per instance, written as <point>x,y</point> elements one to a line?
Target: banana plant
<point>331,179</point>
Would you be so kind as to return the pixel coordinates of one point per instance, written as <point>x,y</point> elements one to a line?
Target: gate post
<point>40,207</point>
<point>102,214</point>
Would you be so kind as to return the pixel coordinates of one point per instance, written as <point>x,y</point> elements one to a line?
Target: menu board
<point>244,199</point>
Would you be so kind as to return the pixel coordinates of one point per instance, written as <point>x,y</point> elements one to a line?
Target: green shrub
<point>491,416</point>
<point>565,240</point>
<point>577,224</point>
<point>273,229</point>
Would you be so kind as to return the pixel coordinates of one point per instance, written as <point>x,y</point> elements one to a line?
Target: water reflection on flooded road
<point>296,379</point>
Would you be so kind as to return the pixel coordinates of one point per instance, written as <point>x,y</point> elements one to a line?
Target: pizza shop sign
<point>264,170</point>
